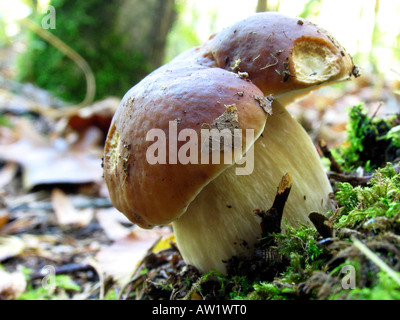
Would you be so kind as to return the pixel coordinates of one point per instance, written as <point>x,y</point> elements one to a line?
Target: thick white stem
<point>220,223</point>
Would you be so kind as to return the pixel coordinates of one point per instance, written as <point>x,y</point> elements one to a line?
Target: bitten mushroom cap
<point>158,194</point>
<point>280,54</point>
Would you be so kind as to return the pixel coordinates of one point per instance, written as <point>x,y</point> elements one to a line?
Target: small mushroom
<point>208,203</point>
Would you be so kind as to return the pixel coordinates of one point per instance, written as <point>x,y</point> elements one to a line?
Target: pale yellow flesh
<point>314,63</point>
<point>220,222</point>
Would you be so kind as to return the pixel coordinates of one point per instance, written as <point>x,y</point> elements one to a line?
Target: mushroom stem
<point>220,223</point>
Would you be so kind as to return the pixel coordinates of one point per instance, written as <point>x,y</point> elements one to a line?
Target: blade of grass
<point>375,259</point>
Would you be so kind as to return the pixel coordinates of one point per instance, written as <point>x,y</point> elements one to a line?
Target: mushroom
<point>237,81</point>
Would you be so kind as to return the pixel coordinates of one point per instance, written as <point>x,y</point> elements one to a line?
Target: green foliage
<point>231,288</point>
<point>347,197</point>
<point>385,289</point>
<point>311,8</point>
<point>183,34</point>
<point>26,272</point>
<point>371,142</point>
<point>394,135</point>
<point>111,295</point>
<point>380,198</point>
<point>63,285</point>
<point>270,291</point>
<point>301,246</point>
<point>240,286</point>
<point>88,27</point>
<point>358,128</point>
<point>5,121</point>
<point>396,47</point>
<point>4,40</point>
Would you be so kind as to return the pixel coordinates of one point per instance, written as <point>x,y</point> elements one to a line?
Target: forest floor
<point>60,237</point>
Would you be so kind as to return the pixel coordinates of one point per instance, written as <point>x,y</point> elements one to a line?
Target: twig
<point>70,53</point>
<point>272,218</point>
<point>65,269</point>
<point>322,223</point>
<point>377,110</point>
<point>327,154</point>
<point>352,179</point>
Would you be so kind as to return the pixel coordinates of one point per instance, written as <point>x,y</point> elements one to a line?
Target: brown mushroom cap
<point>280,54</point>
<point>158,194</point>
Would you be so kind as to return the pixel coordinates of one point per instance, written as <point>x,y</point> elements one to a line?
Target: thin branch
<point>70,53</point>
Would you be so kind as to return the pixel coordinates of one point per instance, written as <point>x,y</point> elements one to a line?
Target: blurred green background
<point>123,40</point>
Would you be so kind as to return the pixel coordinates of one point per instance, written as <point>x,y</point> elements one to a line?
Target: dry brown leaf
<point>122,258</point>
<point>40,246</point>
<point>11,246</point>
<point>98,115</point>
<point>110,221</point>
<point>7,135</point>
<point>28,245</point>
<point>4,217</point>
<point>7,173</point>
<point>12,285</point>
<point>130,245</point>
<point>51,161</point>
<point>43,246</point>
<point>15,103</point>
<point>19,225</point>
<point>66,213</point>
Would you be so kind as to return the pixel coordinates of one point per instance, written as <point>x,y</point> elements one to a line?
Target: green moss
<point>394,135</point>
<point>111,295</point>
<point>216,284</point>
<point>371,142</point>
<point>270,291</point>
<point>347,197</point>
<point>5,121</point>
<point>385,289</point>
<point>300,245</point>
<point>380,198</point>
<point>87,27</point>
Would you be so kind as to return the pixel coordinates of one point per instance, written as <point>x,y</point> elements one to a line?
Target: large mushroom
<point>241,78</point>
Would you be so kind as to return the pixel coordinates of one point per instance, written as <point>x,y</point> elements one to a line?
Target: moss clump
<point>87,27</point>
<point>214,285</point>
<point>271,291</point>
<point>301,248</point>
<point>380,198</point>
<point>371,142</point>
